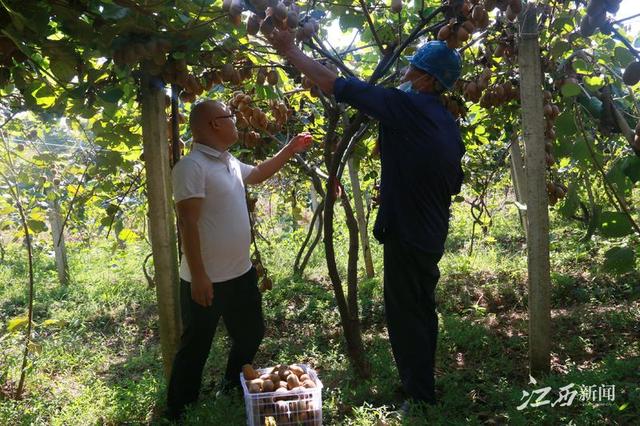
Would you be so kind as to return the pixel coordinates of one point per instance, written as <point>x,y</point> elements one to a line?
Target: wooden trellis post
<point>161,215</point>
<point>537,203</point>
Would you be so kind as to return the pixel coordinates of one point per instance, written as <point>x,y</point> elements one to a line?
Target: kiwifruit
<point>462,34</point>
<point>261,76</point>
<point>280,12</point>
<point>272,77</point>
<point>308,30</point>
<point>248,372</point>
<point>292,19</point>
<point>253,25</point>
<point>396,6</point>
<point>444,33</point>
<point>453,42</point>
<point>267,26</point>
<point>468,25</point>
<point>631,75</point>
<point>227,71</point>
<point>477,13</point>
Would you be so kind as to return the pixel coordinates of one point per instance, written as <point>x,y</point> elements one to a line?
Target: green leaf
<point>570,90</point>
<point>566,124</point>
<point>112,95</point>
<point>622,56</point>
<point>580,151</point>
<point>351,20</point>
<point>593,222</point>
<point>614,224</point>
<point>619,260</point>
<point>62,60</point>
<point>54,323</point>
<point>571,202</point>
<point>127,235</point>
<point>560,48</point>
<point>594,83</point>
<point>631,168</point>
<point>616,176</point>
<point>37,226</point>
<point>582,67</point>
<point>17,323</point>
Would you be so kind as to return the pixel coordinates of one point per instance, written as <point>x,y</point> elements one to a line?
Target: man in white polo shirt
<point>216,275</point>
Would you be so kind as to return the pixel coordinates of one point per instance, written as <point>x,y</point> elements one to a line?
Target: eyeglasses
<point>231,116</point>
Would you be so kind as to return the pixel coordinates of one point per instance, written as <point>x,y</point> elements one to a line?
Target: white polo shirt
<point>225,232</point>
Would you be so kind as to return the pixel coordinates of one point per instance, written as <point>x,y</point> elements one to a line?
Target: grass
<point>98,361</point>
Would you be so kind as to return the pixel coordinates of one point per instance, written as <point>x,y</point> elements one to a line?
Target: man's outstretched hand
<point>282,41</point>
<point>301,142</point>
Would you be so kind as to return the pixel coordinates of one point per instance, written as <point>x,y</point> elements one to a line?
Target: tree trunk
<point>161,216</point>
<point>361,217</point>
<point>537,208</point>
<point>519,180</point>
<point>314,206</point>
<point>55,220</point>
<point>349,320</point>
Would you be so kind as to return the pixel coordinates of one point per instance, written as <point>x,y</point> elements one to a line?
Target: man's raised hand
<point>301,142</point>
<point>282,41</point>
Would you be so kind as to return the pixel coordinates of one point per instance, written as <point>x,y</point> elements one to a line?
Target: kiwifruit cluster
<point>596,16</point>
<point>272,14</point>
<point>131,53</point>
<point>470,16</point>
<point>175,72</point>
<point>506,48</point>
<point>499,94</point>
<point>249,116</point>
<point>454,104</point>
<point>473,89</point>
<point>556,192</point>
<point>271,76</point>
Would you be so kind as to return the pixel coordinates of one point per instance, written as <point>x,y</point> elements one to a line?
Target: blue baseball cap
<point>438,60</point>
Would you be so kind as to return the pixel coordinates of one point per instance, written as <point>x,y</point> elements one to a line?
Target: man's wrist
<point>200,276</point>
<point>289,150</point>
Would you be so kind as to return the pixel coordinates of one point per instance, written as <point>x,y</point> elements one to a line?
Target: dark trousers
<point>410,278</point>
<point>239,303</point>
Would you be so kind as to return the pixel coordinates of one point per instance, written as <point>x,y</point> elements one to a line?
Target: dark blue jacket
<point>421,151</point>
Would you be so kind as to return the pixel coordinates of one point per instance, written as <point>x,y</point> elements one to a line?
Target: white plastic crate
<point>295,407</point>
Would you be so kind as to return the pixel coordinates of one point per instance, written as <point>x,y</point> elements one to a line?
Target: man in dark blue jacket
<point>420,151</point>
